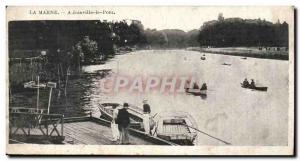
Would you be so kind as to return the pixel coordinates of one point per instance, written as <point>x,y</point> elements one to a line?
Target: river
<point>240,116</point>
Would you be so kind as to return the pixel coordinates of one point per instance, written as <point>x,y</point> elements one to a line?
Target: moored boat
<point>135,114</point>
<point>178,128</point>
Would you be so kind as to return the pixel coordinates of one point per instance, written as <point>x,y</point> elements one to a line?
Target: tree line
<point>236,32</point>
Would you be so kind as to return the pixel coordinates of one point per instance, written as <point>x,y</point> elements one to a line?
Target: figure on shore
<point>123,124</point>
<point>146,115</point>
<point>114,126</point>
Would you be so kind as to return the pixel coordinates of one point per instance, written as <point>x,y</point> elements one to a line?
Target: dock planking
<point>91,133</point>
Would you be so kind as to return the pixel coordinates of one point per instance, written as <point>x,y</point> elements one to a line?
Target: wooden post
<point>68,73</point>
<point>62,125</point>
<point>49,103</point>
<point>38,92</point>
<point>59,85</point>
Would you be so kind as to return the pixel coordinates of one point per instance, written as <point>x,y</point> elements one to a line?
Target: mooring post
<point>62,125</point>
<point>38,92</point>
<point>49,100</point>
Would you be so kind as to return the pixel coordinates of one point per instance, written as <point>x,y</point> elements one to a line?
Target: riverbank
<point>246,52</point>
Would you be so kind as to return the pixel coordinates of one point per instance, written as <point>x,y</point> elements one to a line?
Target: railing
<point>34,123</point>
<point>28,110</point>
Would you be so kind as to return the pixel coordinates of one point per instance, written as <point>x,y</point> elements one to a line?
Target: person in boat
<point>123,124</point>
<point>246,83</point>
<point>204,87</point>
<point>195,86</point>
<point>146,116</point>
<point>114,126</point>
<point>252,84</point>
<point>187,85</point>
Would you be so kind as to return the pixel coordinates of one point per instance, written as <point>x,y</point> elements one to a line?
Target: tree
<point>88,49</point>
<point>243,32</point>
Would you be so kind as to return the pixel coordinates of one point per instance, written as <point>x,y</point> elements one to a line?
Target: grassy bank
<point>246,52</point>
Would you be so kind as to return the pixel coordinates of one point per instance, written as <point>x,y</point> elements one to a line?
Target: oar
<point>227,143</point>
<point>154,115</point>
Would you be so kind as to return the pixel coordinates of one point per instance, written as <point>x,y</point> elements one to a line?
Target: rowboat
<point>196,92</point>
<point>135,114</point>
<point>34,85</point>
<point>258,88</point>
<point>226,64</point>
<point>177,127</point>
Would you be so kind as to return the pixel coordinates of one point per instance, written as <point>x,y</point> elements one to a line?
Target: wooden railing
<point>26,124</point>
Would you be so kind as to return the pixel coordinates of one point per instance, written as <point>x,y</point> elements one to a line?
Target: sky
<point>188,18</point>
<point>161,17</point>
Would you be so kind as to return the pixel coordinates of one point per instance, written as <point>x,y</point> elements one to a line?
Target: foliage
<point>243,32</point>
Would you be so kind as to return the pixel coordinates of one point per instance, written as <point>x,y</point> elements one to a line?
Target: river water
<point>234,114</point>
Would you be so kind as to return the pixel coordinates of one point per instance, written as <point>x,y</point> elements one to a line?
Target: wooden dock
<point>36,128</point>
<point>91,133</point>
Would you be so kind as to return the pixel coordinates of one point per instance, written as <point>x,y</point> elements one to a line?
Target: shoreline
<point>244,52</point>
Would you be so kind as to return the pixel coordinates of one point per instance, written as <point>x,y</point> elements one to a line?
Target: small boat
<point>226,64</point>
<point>196,92</point>
<point>106,109</point>
<point>203,58</point>
<point>244,58</point>
<point>258,88</point>
<point>33,84</point>
<point>135,114</point>
<point>178,128</point>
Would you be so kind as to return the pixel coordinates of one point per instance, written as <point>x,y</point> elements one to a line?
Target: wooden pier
<point>34,127</point>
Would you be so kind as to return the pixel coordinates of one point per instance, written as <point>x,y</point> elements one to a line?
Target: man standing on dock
<point>123,124</point>
<point>146,115</point>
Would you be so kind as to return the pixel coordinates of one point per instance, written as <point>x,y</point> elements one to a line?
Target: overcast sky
<point>162,17</point>
<point>188,18</point>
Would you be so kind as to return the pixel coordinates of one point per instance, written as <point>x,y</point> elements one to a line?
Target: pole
<point>68,72</point>
<point>49,100</point>
<point>38,92</point>
<point>225,142</point>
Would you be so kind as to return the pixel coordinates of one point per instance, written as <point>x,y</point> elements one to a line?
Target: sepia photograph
<point>150,80</point>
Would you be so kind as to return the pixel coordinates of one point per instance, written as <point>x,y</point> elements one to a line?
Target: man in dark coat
<point>123,124</point>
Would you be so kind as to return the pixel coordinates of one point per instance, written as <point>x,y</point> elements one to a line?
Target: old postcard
<point>155,80</point>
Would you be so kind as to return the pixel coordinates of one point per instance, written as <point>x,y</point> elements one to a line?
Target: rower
<point>204,87</point>
<point>246,83</point>
<point>252,84</point>
<point>195,86</point>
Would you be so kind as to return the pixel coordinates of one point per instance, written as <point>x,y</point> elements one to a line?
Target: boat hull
<point>196,92</point>
<point>136,117</point>
<point>255,88</point>
<point>176,129</point>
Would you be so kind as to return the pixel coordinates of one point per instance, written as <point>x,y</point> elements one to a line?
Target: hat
<point>125,105</point>
<point>145,101</point>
